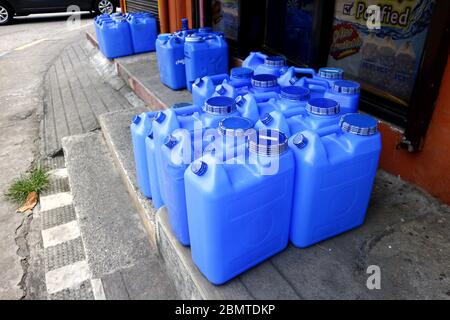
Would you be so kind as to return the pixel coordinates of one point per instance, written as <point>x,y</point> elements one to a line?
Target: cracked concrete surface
<point>21,76</point>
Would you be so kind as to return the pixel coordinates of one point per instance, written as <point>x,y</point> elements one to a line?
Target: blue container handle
<point>186,110</point>
<point>306,82</point>
<point>309,71</point>
<point>293,112</point>
<point>328,130</point>
<point>265,96</point>
<point>261,55</point>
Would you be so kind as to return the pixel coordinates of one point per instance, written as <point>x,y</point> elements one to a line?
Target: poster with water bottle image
<point>384,57</point>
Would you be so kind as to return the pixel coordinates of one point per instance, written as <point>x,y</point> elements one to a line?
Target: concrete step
<point>117,247</point>
<point>332,269</point>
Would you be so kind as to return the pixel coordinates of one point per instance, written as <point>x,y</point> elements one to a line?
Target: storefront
<point>401,63</point>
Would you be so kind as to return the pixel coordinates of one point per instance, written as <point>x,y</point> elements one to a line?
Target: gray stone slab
<point>51,163</point>
<point>56,185</point>
<point>148,281</point>
<point>81,292</point>
<point>144,68</point>
<point>110,226</point>
<point>58,216</point>
<point>64,254</point>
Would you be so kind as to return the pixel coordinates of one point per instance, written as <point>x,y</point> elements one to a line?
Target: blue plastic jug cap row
<point>264,81</point>
<point>234,126</point>
<point>295,93</point>
<point>359,124</point>
<point>323,107</point>
<point>241,73</point>
<point>331,73</point>
<point>268,142</point>
<point>199,167</point>
<point>346,87</point>
<point>275,61</point>
<point>299,141</point>
<point>219,105</point>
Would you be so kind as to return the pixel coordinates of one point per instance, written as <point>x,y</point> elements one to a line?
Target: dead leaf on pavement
<point>30,203</point>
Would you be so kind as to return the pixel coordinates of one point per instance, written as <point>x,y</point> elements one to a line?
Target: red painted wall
<point>429,168</point>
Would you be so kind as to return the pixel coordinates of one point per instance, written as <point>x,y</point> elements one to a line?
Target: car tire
<point>6,14</point>
<point>104,6</point>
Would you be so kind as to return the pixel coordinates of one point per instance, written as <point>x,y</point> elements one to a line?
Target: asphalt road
<point>27,48</point>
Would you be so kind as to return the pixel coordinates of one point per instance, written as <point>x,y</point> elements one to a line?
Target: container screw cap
<point>219,105</point>
<point>199,167</point>
<point>170,141</point>
<point>331,73</point>
<point>268,142</point>
<point>136,119</point>
<point>160,116</point>
<point>240,101</point>
<point>264,81</point>
<point>295,93</point>
<point>323,107</point>
<point>299,141</point>
<point>359,124</point>
<point>266,119</point>
<point>221,89</point>
<point>275,61</point>
<point>234,126</point>
<point>346,87</point>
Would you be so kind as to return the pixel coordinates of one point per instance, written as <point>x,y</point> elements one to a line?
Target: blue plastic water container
<point>141,127</point>
<point>143,31</point>
<point>297,77</point>
<point>254,106</point>
<point>178,151</point>
<point>165,122</point>
<point>203,88</point>
<point>346,93</point>
<point>254,59</point>
<point>189,118</point>
<point>204,55</point>
<point>335,171</point>
<point>327,74</point>
<point>231,86</point>
<point>116,38</point>
<point>97,23</point>
<point>239,214</point>
<point>275,65</point>
<point>171,62</point>
<point>318,113</point>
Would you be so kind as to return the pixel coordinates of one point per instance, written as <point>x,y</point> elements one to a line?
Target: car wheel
<point>6,14</point>
<point>104,6</point>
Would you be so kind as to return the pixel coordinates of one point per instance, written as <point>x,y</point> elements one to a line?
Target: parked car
<point>11,8</point>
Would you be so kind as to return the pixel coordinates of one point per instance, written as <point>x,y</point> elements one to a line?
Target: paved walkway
<point>75,95</point>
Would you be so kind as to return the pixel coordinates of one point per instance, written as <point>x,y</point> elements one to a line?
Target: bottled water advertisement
<point>380,43</point>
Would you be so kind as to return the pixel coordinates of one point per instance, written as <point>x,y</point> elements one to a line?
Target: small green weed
<point>36,180</point>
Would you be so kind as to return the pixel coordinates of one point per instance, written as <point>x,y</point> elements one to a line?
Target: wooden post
<point>123,6</point>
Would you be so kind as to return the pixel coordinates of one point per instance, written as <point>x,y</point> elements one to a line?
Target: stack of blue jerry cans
<point>263,156</point>
<point>189,54</point>
<point>123,35</point>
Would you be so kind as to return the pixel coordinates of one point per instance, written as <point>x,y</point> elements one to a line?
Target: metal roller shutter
<point>143,5</point>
